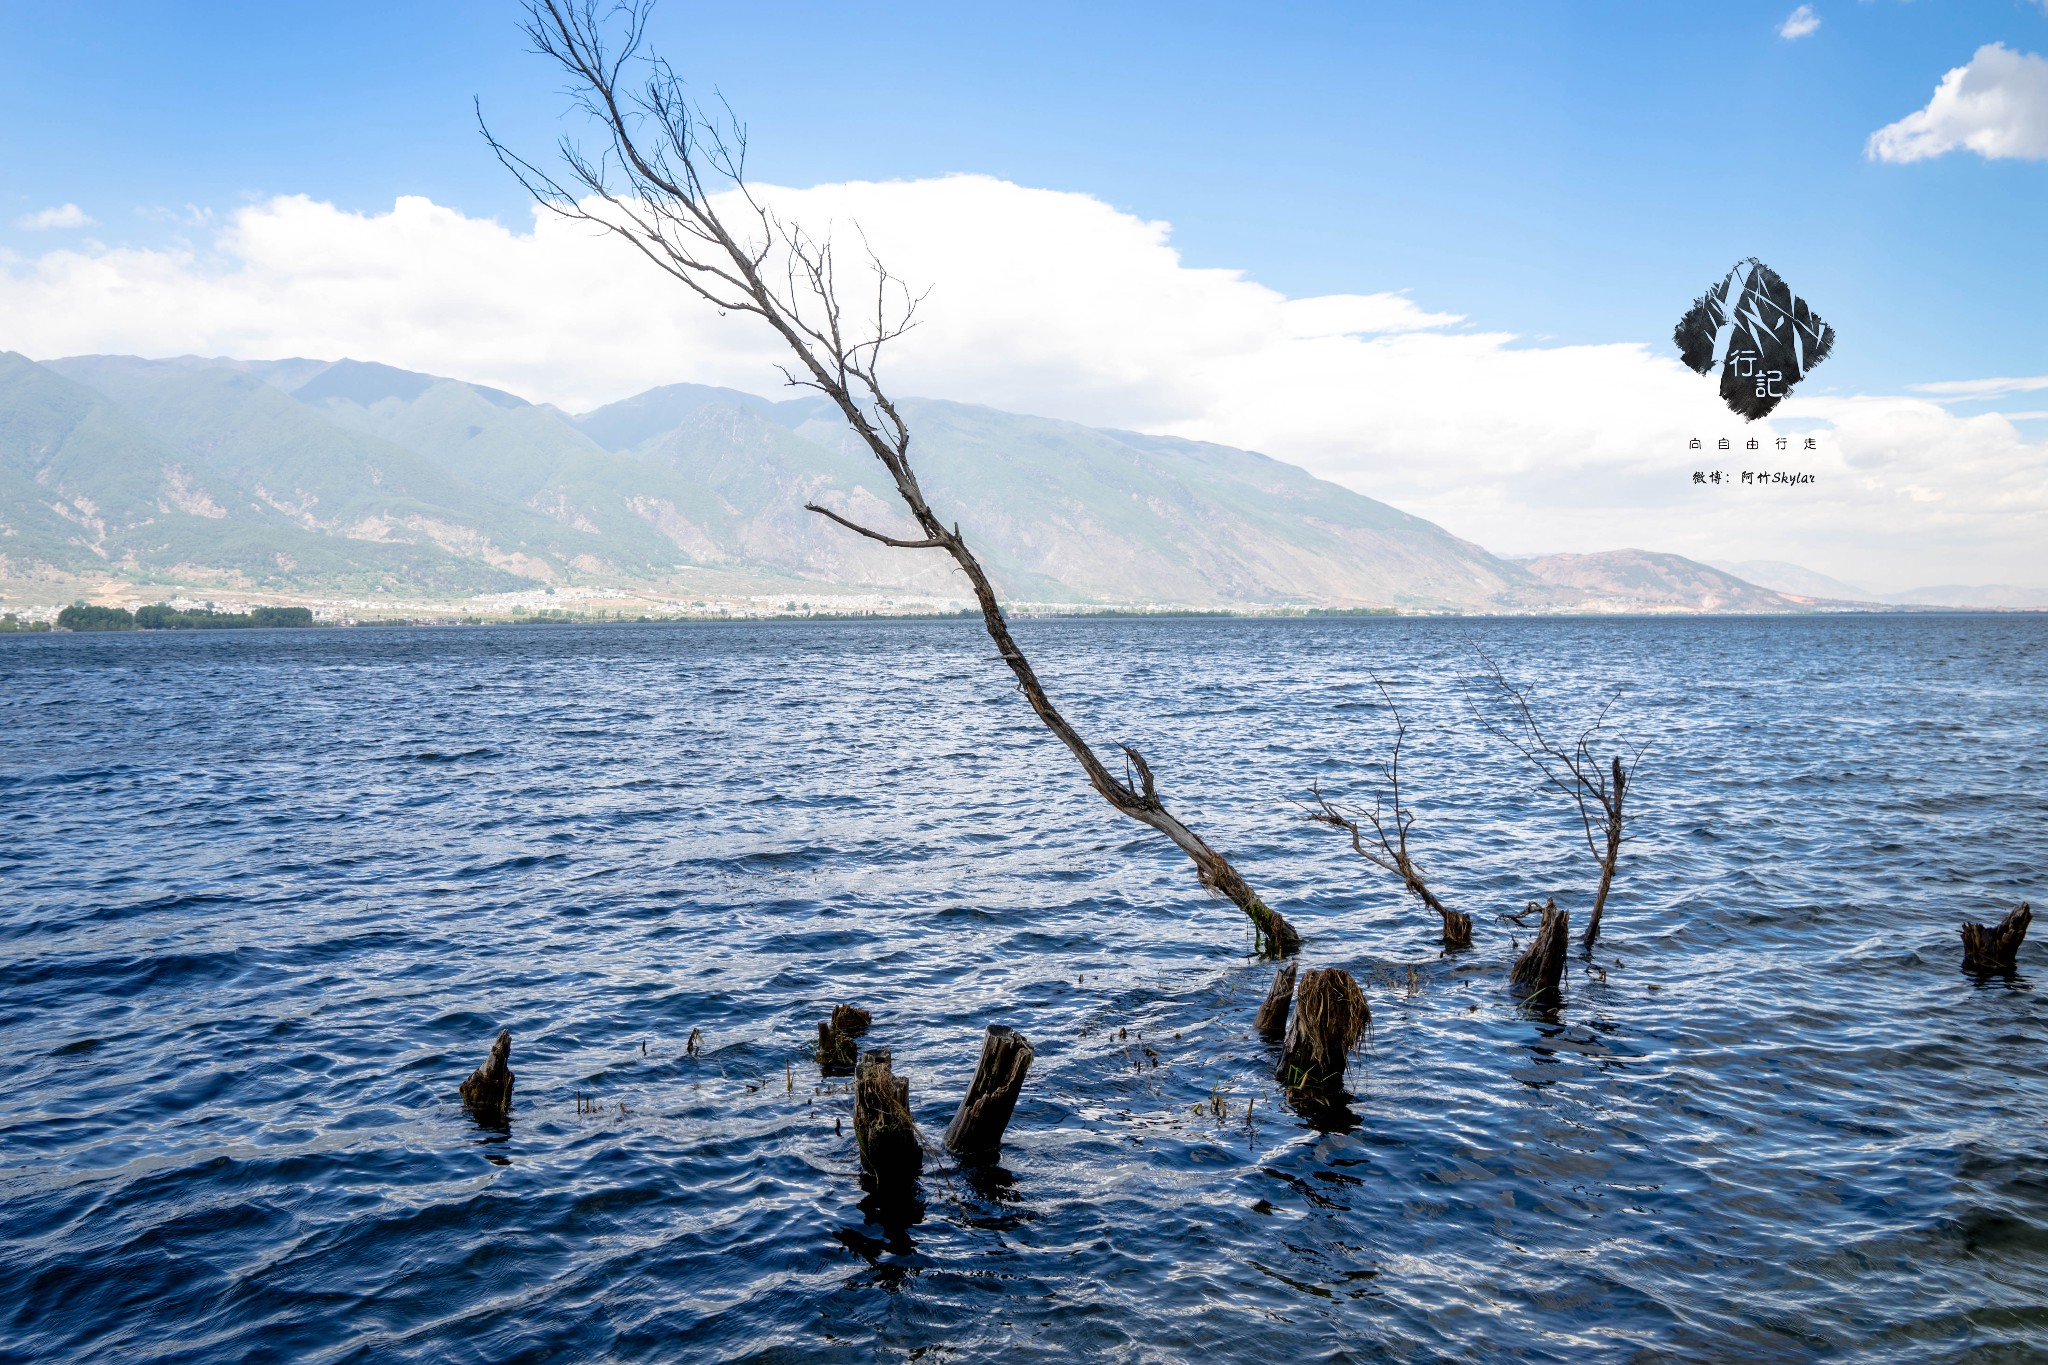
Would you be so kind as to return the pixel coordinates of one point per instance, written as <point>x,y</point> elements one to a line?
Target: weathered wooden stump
<point>489,1087</point>
<point>1457,928</point>
<point>889,1146</point>
<point>1996,949</point>
<point>1538,970</point>
<point>984,1113</point>
<point>837,1049</point>
<point>1330,1015</point>
<point>1272,1016</point>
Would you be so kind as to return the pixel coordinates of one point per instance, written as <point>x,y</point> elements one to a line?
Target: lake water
<point>265,897</point>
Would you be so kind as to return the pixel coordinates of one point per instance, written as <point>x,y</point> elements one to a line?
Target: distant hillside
<point>1641,580</point>
<point>311,476</point>
<point>1780,576</point>
<point>1976,597</point>
<point>1794,578</point>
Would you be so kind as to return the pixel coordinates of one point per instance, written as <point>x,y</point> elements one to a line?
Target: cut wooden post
<point>1330,1015</point>
<point>1272,1017</point>
<point>1538,970</point>
<point>977,1127</point>
<point>1996,950</point>
<point>489,1087</point>
<point>836,1046</point>
<point>889,1146</point>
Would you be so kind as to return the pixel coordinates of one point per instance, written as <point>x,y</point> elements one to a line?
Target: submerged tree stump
<point>1330,1015</point>
<point>1538,970</point>
<point>1996,949</point>
<point>984,1113</point>
<point>889,1146</point>
<point>1272,1016</point>
<point>1457,927</point>
<point>836,1046</point>
<point>489,1087</point>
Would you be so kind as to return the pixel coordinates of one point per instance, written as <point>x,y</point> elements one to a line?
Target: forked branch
<point>1598,790</point>
<point>1389,819</point>
<point>670,180</point>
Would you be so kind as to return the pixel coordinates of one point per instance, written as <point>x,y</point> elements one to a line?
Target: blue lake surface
<point>265,897</point>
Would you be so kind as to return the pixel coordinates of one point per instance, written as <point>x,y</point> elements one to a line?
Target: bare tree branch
<point>1598,791</point>
<point>926,544</point>
<point>1389,820</point>
<point>665,181</point>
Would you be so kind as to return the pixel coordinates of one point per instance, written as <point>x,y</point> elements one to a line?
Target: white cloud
<point>1799,23</point>
<point>1960,390</point>
<point>63,216</point>
<point>1996,106</point>
<point>1058,304</point>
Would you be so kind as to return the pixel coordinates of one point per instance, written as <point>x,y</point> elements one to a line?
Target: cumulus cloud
<point>62,216</point>
<point>1996,106</point>
<point>1799,23</point>
<point>1058,304</point>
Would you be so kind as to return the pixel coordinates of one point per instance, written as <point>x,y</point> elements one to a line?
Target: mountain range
<point>353,479</point>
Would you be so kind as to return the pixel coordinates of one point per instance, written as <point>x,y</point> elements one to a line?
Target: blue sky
<point>1564,171</point>
<point>1434,252</point>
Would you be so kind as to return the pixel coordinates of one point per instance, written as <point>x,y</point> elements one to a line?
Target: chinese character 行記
<point>1767,383</point>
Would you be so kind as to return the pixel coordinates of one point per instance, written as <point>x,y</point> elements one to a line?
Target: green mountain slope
<point>322,474</point>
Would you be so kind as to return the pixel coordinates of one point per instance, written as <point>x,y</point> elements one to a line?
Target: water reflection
<point>493,1128</point>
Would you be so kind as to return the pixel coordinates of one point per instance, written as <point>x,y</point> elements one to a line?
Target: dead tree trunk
<point>837,1048</point>
<point>1272,1016</point>
<point>1611,827</point>
<point>1390,820</point>
<point>1540,968</point>
<point>489,1087</point>
<point>984,1113</point>
<point>1987,950</point>
<point>882,1127</point>
<point>1598,791</point>
<point>1330,1015</point>
<point>656,185</point>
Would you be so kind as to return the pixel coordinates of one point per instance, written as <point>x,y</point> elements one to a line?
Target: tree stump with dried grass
<point>890,1150</point>
<point>1540,968</point>
<point>984,1114</point>
<point>1996,949</point>
<point>489,1087</point>
<point>1272,1016</point>
<point>1330,1015</point>
<point>837,1049</point>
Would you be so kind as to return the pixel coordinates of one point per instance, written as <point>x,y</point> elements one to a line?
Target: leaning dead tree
<point>1598,790</point>
<point>1389,821</point>
<point>671,181</point>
